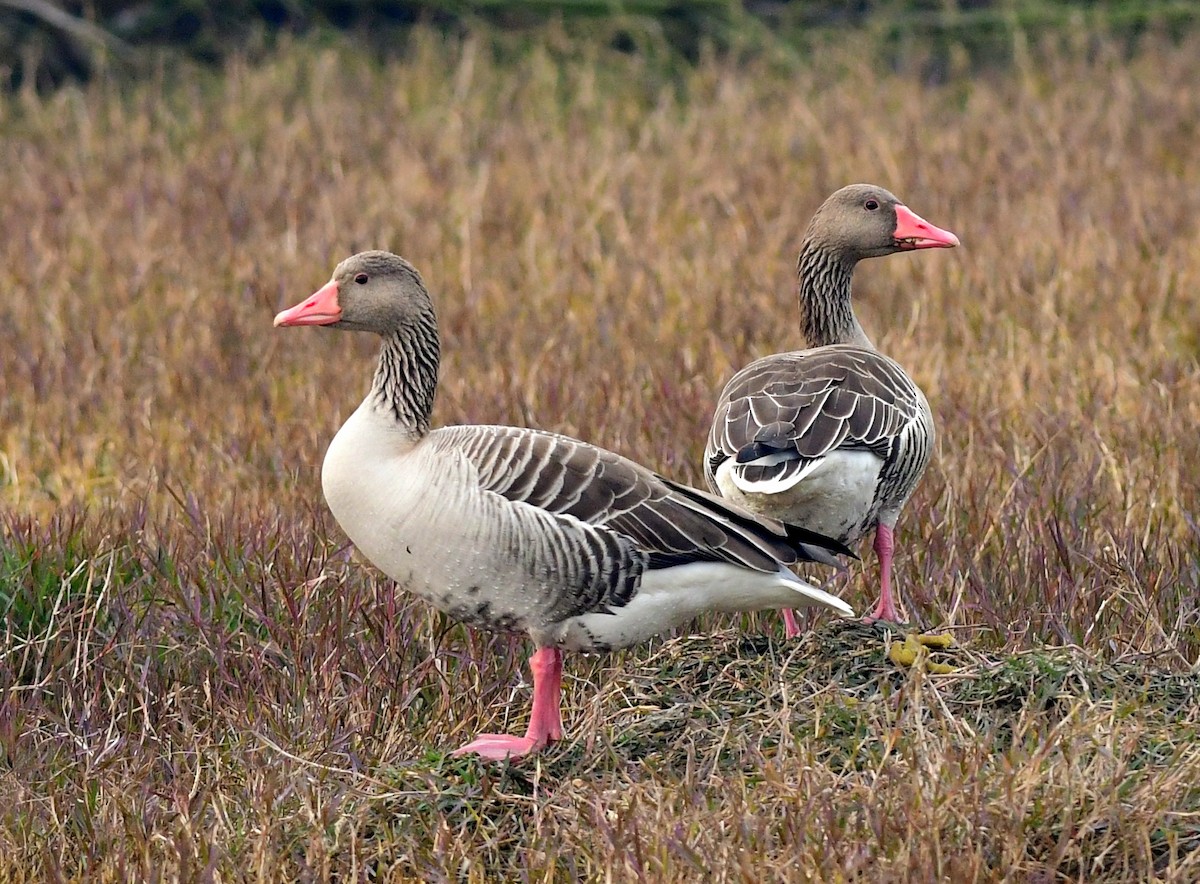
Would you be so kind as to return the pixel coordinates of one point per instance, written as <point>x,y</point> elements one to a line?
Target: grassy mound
<point>1091,753</point>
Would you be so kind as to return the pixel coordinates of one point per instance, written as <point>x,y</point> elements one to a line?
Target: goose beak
<point>320,308</point>
<point>914,232</point>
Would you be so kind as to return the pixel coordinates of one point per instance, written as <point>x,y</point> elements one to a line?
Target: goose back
<point>784,418</point>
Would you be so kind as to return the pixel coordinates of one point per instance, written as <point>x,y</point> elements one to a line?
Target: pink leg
<point>790,627</point>
<point>545,721</point>
<point>886,609</point>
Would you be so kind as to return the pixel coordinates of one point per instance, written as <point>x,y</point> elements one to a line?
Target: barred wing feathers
<point>781,414</point>
<point>644,519</point>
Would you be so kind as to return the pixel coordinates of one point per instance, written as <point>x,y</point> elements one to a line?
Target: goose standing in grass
<point>834,437</point>
<point>519,530</point>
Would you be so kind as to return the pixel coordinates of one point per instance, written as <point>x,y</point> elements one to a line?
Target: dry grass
<point>197,682</point>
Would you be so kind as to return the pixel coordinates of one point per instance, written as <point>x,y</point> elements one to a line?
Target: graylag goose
<point>520,530</point>
<point>834,437</point>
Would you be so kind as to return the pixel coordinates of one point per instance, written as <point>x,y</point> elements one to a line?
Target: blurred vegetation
<point>44,43</point>
<point>197,682</point>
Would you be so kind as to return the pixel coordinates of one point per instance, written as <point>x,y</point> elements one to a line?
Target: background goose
<point>525,531</point>
<point>834,437</point>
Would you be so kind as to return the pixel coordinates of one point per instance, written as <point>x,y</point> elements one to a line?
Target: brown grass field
<point>199,681</point>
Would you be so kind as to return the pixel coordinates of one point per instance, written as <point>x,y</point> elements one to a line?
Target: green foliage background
<point>43,43</point>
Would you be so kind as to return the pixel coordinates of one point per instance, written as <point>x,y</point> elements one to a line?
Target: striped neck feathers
<point>826,314</point>
<point>406,378</point>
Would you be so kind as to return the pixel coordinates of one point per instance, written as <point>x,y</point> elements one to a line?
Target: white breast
<point>421,523</point>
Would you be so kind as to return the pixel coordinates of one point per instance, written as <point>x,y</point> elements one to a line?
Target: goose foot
<point>886,609</point>
<point>545,721</point>
<point>498,747</point>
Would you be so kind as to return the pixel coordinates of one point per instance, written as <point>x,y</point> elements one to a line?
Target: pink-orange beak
<point>914,232</point>
<point>320,308</point>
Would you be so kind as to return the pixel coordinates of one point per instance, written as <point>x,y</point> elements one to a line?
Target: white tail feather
<point>769,486</point>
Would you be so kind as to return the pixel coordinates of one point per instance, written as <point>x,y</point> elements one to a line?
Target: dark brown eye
<point>871,205</point>
<point>361,279</point>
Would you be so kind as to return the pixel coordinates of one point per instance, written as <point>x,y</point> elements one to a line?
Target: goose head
<point>866,221</point>
<point>372,291</point>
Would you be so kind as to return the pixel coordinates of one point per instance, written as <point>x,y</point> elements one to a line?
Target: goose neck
<point>826,312</point>
<point>406,377</point>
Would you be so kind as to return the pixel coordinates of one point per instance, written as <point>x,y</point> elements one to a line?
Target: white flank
<point>669,597</point>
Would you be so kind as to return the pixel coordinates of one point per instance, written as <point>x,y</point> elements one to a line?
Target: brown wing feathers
<point>671,523</point>
<point>812,403</point>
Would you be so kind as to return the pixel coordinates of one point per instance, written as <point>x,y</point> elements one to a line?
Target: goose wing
<point>600,519</point>
<point>782,414</point>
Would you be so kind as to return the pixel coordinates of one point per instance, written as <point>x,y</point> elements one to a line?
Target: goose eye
<point>871,205</point>
<point>361,279</point>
